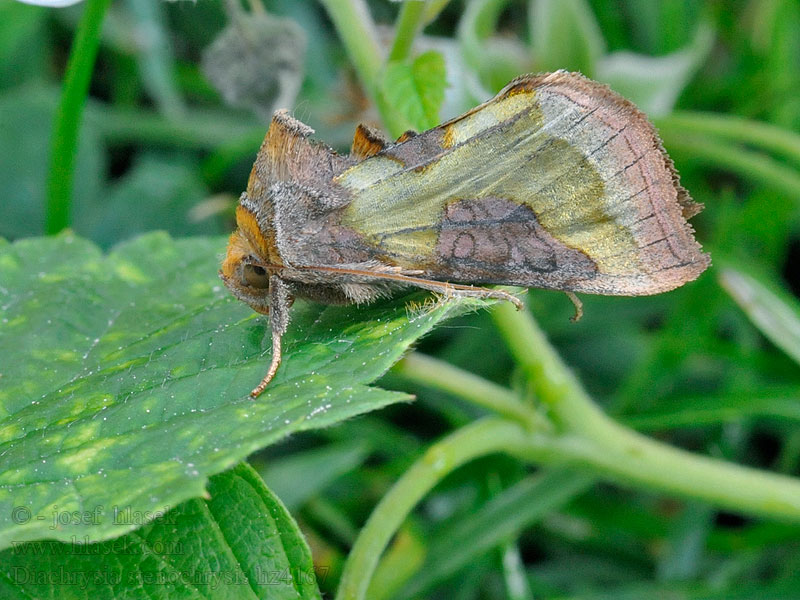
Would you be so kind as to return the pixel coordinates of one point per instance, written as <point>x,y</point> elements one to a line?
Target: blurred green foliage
<point>711,367</point>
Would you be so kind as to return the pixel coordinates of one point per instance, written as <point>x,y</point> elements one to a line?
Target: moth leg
<point>442,287</point>
<point>479,292</point>
<point>576,302</point>
<point>467,291</point>
<point>279,302</point>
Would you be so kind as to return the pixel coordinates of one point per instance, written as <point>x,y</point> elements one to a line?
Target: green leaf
<point>298,477</point>
<point>239,543</point>
<point>774,312</point>
<point>126,377</point>
<point>565,35</point>
<point>416,90</point>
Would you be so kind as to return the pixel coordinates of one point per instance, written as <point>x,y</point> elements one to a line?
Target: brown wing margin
<point>656,205</point>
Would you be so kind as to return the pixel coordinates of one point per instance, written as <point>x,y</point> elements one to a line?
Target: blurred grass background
<point>712,367</point>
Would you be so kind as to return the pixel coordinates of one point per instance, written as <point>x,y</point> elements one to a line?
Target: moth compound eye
<point>256,276</point>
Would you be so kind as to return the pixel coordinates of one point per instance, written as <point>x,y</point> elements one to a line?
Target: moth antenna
<point>576,302</point>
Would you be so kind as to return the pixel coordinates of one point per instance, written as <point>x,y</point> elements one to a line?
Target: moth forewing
<point>557,182</point>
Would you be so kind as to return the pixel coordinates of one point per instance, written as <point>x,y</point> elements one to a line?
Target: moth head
<point>248,262</point>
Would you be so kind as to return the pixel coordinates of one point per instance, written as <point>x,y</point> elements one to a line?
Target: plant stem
<point>440,375</point>
<point>477,23</point>
<point>591,439</point>
<point>64,147</point>
<point>357,32</point>
<point>730,127</point>
<point>623,455</point>
<point>408,22</point>
<point>555,385</point>
<point>514,573</point>
<point>482,437</point>
<point>432,10</point>
<point>630,458</point>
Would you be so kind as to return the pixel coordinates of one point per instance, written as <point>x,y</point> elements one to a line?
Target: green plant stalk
<point>753,165</point>
<point>514,574</point>
<point>401,562</point>
<point>476,24</point>
<point>569,406</point>
<point>440,375</point>
<point>591,439</point>
<point>64,147</point>
<point>443,376</point>
<point>630,458</point>
<point>408,23</point>
<point>482,437</point>
<point>357,32</point>
<point>765,136</point>
<point>432,10</point>
<point>622,455</point>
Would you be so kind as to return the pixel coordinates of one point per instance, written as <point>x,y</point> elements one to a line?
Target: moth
<point>557,182</point>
